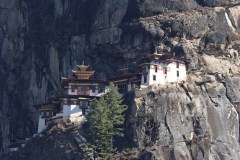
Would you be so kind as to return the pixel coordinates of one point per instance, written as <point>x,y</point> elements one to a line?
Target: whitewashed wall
<point>71,111</point>
<point>41,124</point>
<point>66,111</point>
<point>75,111</point>
<point>161,77</point>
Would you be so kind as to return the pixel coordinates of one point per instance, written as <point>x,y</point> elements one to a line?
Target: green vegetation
<point>106,121</point>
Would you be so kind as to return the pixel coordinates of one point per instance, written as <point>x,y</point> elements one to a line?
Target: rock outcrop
<point>40,41</point>
<point>59,141</point>
<point>192,120</point>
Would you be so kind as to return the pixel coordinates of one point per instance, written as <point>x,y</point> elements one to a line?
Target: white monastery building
<point>74,103</point>
<point>159,69</point>
<point>75,100</point>
<point>80,91</point>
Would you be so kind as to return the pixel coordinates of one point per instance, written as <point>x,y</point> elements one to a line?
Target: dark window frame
<point>83,111</point>
<point>154,77</point>
<point>144,79</point>
<point>73,88</point>
<point>156,69</point>
<point>177,64</point>
<point>165,70</point>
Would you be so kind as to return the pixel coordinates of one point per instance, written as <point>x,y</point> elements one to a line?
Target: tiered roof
<point>83,73</point>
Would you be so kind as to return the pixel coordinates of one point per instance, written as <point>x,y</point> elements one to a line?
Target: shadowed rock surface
<point>40,41</point>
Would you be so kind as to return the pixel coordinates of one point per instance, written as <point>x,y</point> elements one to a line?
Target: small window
<point>144,79</point>
<point>177,73</point>
<point>165,70</point>
<point>122,87</point>
<point>83,112</point>
<point>177,65</point>
<point>154,77</point>
<point>72,88</point>
<point>156,68</point>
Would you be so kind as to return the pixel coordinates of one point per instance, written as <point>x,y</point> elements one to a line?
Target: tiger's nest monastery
<point>78,92</point>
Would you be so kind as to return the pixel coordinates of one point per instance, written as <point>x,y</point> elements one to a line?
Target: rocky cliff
<point>40,41</point>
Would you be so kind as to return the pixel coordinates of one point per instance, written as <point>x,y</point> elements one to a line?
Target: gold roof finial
<point>83,67</point>
<point>83,73</point>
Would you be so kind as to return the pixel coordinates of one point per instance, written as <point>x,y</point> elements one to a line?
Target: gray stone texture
<point>40,41</point>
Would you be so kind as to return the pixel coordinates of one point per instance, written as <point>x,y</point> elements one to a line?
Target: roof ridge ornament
<point>83,73</point>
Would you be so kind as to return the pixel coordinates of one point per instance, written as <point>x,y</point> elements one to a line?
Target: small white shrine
<point>46,111</point>
<point>159,69</point>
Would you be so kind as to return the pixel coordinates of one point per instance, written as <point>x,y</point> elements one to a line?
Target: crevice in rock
<point>231,18</point>
<point>166,125</point>
<point>224,84</point>
<point>186,91</point>
<point>215,104</point>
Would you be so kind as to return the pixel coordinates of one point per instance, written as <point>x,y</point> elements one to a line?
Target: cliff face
<point>40,41</point>
<point>189,121</point>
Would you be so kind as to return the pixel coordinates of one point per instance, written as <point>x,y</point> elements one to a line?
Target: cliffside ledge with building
<point>41,41</point>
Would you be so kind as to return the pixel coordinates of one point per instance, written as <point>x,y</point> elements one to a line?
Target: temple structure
<point>46,110</point>
<point>78,92</point>
<point>155,69</point>
<point>162,69</point>
<point>74,102</point>
<point>126,81</point>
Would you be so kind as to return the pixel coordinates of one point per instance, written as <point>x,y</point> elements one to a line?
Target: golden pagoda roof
<point>83,73</point>
<point>82,67</point>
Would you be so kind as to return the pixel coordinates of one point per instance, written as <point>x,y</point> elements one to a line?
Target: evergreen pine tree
<point>116,109</point>
<point>101,127</point>
<point>106,120</point>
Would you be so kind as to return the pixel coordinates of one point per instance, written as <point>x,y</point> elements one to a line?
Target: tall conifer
<point>106,120</point>
<point>116,109</point>
<point>101,127</point>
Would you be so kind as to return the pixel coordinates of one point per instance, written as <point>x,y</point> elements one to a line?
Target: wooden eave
<point>75,80</point>
<point>159,58</point>
<point>84,72</point>
<point>42,104</point>
<point>75,96</point>
<point>124,77</point>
